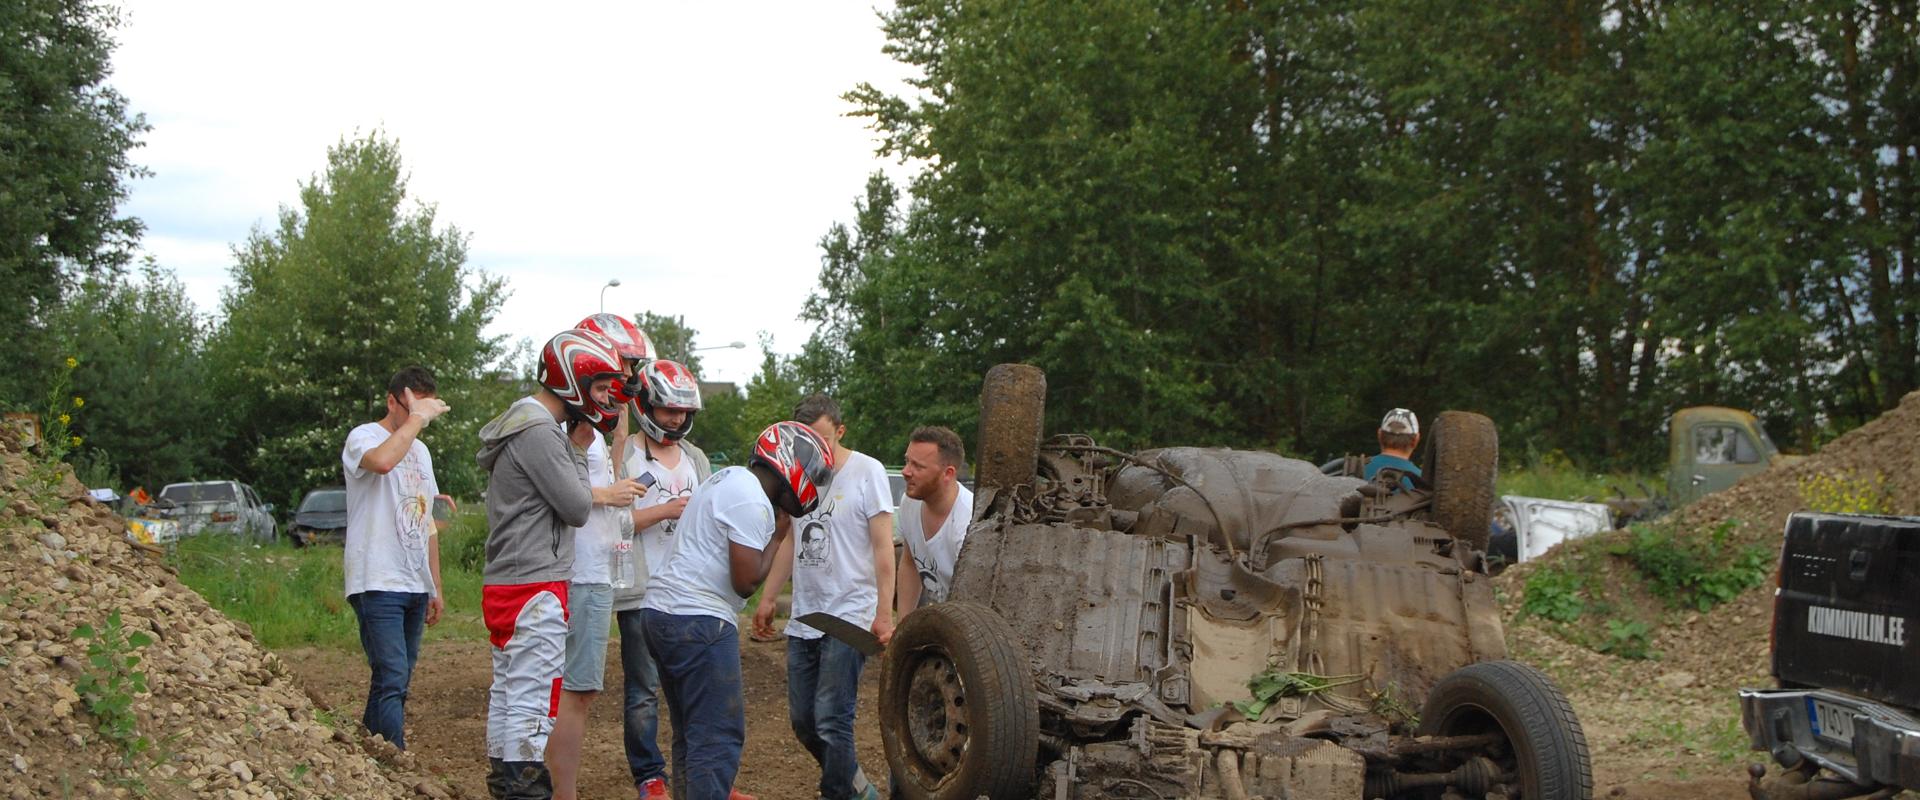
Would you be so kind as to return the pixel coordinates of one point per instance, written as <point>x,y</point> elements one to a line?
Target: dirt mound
<point>218,715</point>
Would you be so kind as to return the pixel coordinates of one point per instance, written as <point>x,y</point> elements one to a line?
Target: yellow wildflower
<point>79,401</point>
<point>64,419</point>
<point>77,440</point>
<point>72,362</point>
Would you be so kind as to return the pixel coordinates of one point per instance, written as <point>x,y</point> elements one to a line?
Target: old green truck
<point>1711,448</point>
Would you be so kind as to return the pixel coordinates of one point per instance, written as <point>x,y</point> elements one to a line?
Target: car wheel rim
<point>937,713</point>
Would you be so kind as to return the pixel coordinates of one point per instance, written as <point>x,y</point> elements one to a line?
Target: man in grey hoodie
<point>537,493</point>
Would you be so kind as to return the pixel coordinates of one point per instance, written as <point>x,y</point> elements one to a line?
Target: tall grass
<point>1555,478</point>
<point>294,597</point>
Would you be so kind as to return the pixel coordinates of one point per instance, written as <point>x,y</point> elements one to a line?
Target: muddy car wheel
<point>1462,465</point>
<point>1544,750</point>
<point>1013,405</point>
<point>957,709</point>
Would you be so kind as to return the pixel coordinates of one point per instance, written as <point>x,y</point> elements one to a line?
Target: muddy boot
<point>518,780</point>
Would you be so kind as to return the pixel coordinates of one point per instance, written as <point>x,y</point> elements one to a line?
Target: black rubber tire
<point>1463,461</point>
<point>1548,747</point>
<point>1013,406</point>
<point>1001,712</point>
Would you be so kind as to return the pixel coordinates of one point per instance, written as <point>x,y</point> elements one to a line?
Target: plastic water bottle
<point>621,565</point>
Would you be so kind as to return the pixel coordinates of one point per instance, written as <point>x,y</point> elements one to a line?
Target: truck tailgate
<point>1848,603</point>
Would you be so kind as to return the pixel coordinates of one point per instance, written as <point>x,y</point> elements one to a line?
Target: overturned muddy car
<point>1205,623</point>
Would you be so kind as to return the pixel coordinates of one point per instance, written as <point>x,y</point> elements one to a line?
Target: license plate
<point>1830,721</point>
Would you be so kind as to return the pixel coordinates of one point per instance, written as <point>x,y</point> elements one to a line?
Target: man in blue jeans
<point>728,535</point>
<point>392,554</point>
<point>841,560</point>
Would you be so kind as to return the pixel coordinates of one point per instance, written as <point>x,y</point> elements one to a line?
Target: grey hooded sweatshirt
<point>537,493</point>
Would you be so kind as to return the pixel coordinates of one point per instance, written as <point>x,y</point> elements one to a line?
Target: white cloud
<point>694,151</point>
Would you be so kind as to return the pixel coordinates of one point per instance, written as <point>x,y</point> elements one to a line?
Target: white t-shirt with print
<point>593,542</point>
<point>697,579</point>
<point>389,517</point>
<point>832,551</point>
<point>934,557</point>
<point>657,539</point>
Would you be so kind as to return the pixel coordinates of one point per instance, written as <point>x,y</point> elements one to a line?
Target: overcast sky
<point>694,151</point>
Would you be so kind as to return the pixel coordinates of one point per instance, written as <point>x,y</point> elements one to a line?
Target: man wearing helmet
<point>664,405</point>
<point>590,593</point>
<point>728,535</point>
<point>842,564</point>
<point>537,493</point>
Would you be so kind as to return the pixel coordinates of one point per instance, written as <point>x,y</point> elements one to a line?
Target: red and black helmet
<point>570,363</point>
<point>669,385</point>
<point>802,460</point>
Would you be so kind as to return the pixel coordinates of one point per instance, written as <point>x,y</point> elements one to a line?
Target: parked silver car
<point>219,507</point>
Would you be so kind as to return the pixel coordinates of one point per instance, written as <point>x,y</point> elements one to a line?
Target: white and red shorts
<point>527,624</point>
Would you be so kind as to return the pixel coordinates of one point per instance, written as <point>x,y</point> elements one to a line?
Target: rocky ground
<point>1675,716</point>
<point>218,716</point>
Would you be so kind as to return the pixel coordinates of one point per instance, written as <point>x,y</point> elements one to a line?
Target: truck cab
<point>1711,448</point>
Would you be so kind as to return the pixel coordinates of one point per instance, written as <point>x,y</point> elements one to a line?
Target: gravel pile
<point>219,716</point>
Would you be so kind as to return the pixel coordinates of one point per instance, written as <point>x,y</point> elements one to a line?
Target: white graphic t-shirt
<point>934,557</point>
<point>832,551</point>
<point>657,540</point>
<point>389,517</point>
<point>697,579</point>
<point>593,542</point>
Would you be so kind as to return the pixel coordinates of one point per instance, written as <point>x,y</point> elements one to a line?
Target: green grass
<point>292,597</point>
<point>1555,479</point>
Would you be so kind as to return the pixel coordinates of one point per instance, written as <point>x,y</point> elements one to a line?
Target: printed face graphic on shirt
<point>813,539</point>
<point>931,589</point>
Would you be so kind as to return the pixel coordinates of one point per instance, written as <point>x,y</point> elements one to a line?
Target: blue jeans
<point>699,660</point>
<point>642,683</point>
<point>823,691</point>
<point>390,628</point>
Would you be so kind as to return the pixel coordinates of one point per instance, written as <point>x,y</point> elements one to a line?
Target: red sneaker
<point>653,788</point>
<point>738,795</point>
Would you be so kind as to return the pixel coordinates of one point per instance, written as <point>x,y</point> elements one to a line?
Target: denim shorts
<point>589,617</point>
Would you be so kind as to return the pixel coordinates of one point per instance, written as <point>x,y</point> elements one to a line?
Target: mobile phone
<point>646,479</point>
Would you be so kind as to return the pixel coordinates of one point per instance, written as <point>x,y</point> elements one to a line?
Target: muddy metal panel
<point>1087,604</point>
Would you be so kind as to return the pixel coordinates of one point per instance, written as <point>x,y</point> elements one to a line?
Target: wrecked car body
<point>1110,610</point>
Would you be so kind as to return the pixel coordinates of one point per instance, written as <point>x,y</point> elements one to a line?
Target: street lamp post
<point>603,292</point>
<point>727,346</point>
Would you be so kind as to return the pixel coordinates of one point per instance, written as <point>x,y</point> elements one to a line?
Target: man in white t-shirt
<point>842,564</point>
<point>392,555</point>
<point>728,536</point>
<point>933,518</point>
<point>663,405</point>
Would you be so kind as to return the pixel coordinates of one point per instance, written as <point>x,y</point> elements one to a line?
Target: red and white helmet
<point>570,363</point>
<point>802,460</point>
<point>667,385</point>
<point>629,341</point>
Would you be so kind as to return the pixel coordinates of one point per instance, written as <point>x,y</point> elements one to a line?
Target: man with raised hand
<point>391,554</point>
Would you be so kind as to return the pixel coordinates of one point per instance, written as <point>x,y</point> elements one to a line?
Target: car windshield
<point>331,501</point>
<point>198,493</point>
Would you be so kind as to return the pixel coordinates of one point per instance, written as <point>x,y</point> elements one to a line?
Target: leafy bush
<point>1555,595</point>
<point>1693,572</point>
<point>1847,494</point>
<point>111,681</point>
<point>1628,639</point>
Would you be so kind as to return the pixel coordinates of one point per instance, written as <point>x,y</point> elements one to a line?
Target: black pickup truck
<point>1845,720</point>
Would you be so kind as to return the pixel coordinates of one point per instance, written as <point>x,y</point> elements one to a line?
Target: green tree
<point>142,404</point>
<point>672,339</point>
<point>352,284</point>
<point>64,142</point>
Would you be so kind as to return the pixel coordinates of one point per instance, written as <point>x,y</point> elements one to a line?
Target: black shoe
<point>518,780</point>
